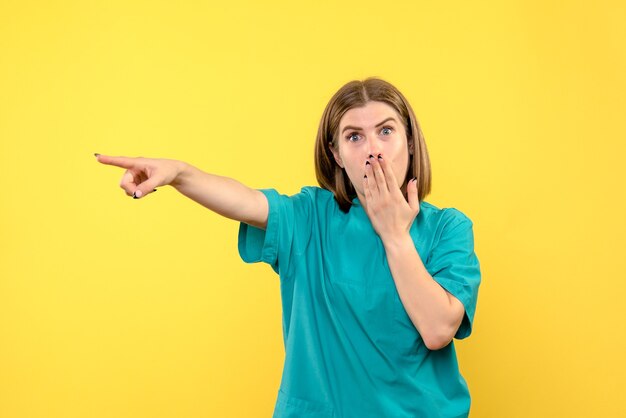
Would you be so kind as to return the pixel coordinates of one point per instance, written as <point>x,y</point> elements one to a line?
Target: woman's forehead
<point>369,116</point>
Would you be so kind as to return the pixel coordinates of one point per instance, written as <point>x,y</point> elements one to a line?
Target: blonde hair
<point>357,93</point>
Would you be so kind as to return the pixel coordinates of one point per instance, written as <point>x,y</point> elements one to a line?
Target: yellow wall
<point>114,307</point>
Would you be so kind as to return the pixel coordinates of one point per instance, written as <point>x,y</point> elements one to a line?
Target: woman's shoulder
<point>444,215</point>
<point>308,198</point>
<point>315,195</point>
<point>306,193</point>
<point>316,192</point>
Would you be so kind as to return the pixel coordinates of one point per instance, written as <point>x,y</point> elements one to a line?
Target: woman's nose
<point>373,147</point>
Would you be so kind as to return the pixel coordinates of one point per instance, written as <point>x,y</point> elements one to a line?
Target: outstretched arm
<point>222,195</point>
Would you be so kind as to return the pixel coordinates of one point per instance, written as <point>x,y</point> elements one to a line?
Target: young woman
<point>375,282</point>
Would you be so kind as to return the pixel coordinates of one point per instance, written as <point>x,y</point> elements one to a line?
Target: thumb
<point>411,194</point>
<point>145,188</point>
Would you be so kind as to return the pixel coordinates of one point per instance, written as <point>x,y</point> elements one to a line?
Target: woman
<point>375,282</point>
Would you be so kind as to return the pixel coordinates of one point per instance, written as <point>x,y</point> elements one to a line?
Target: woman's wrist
<point>397,243</point>
<point>182,174</point>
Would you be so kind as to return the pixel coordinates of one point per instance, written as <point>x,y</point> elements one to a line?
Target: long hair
<point>357,93</point>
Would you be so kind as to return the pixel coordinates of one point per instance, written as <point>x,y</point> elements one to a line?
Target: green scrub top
<point>351,350</point>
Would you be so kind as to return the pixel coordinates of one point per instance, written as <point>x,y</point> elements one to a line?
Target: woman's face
<point>375,128</point>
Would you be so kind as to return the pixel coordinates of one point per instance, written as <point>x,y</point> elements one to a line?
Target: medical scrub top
<point>351,350</point>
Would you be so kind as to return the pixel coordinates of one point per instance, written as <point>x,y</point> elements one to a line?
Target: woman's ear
<point>411,146</point>
<point>335,155</point>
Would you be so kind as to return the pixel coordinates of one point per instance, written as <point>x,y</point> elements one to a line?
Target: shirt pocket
<point>292,407</point>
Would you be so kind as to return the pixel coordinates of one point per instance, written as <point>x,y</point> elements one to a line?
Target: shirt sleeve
<point>276,244</point>
<point>454,265</point>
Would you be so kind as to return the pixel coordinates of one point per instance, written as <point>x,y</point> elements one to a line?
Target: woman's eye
<point>354,136</point>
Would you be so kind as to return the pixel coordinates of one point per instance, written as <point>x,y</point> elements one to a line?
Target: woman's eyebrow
<point>359,129</point>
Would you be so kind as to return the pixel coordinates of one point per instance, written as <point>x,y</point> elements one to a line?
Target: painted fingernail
<point>380,157</point>
<point>154,190</point>
<point>371,156</point>
<point>96,154</point>
<point>137,194</point>
<point>367,163</point>
<point>365,176</point>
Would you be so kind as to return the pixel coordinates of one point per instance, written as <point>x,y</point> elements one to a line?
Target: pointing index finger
<point>124,162</point>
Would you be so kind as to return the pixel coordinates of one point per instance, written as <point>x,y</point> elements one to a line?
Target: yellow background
<point>114,307</point>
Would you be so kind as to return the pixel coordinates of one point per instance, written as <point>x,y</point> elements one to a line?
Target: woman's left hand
<point>388,210</point>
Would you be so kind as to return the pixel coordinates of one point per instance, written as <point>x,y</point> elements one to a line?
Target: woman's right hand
<point>144,175</point>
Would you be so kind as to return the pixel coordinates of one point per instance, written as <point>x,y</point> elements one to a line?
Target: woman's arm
<point>435,313</point>
<point>222,195</point>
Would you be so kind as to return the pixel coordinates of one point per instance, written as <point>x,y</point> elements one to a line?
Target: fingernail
<point>380,157</point>
<point>96,154</point>
<point>137,194</point>
<point>154,190</point>
<point>365,176</point>
<point>371,156</point>
<point>367,163</point>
